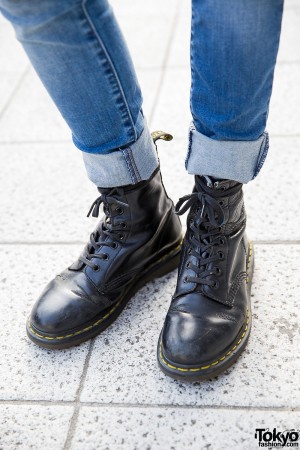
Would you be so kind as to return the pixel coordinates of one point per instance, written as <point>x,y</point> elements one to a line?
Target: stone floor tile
<point>147,38</point>
<point>33,427</point>
<point>48,194</point>
<point>123,365</point>
<point>32,116</point>
<point>284,115</point>
<point>175,428</point>
<point>288,4</point>
<point>12,56</point>
<point>27,371</point>
<point>39,209</point>
<point>145,9</point>
<point>8,83</point>
<point>271,204</point>
<point>290,33</point>
<point>172,110</point>
<point>180,48</point>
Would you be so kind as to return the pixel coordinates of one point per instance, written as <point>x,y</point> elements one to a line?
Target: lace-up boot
<point>209,319</point>
<point>138,239</point>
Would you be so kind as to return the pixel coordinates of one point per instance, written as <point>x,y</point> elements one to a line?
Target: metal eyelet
<point>120,210</point>
<point>221,203</point>
<point>114,245</point>
<point>215,285</point>
<point>221,255</point>
<point>218,271</point>
<point>190,251</point>
<point>187,264</point>
<point>106,256</point>
<point>121,236</point>
<point>123,224</point>
<point>222,241</point>
<point>185,280</point>
<point>96,268</point>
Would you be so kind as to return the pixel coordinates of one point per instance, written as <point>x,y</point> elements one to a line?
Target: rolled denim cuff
<point>125,166</point>
<point>233,160</point>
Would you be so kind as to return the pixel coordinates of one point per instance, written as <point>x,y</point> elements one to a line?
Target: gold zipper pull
<point>161,135</point>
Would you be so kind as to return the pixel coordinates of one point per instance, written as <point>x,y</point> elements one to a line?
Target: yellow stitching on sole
<point>102,318</point>
<point>248,262</point>
<point>223,357</point>
<point>181,369</point>
<point>77,332</point>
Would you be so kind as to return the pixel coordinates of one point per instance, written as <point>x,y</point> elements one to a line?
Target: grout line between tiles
<point>76,403</point>
<point>79,404</point>
<point>165,62</point>
<point>15,91</point>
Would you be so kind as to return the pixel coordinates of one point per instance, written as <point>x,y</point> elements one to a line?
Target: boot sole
<point>161,267</point>
<point>227,359</point>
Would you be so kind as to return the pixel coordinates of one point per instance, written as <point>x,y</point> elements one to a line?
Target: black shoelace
<point>106,229</point>
<point>205,230</point>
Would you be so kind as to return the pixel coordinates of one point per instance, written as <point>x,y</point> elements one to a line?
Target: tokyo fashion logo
<point>273,438</point>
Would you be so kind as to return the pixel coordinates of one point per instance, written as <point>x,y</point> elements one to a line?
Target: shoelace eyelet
<point>106,256</point>
<point>222,241</point>
<point>215,285</point>
<point>96,268</point>
<point>120,210</point>
<point>185,280</point>
<point>218,271</point>
<point>221,255</point>
<point>190,251</point>
<point>188,265</point>
<point>123,224</point>
<point>121,236</point>
<point>114,245</point>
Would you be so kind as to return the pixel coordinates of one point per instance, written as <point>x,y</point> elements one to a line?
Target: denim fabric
<point>77,49</point>
<point>234,160</point>
<point>79,53</point>
<point>127,166</point>
<point>234,46</point>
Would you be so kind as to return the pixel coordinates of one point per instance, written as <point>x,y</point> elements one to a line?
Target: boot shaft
<point>138,207</point>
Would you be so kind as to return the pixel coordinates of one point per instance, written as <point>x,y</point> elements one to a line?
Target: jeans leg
<point>80,55</point>
<point>234,46</point>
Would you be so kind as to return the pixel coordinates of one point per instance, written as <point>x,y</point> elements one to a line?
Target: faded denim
<point>79,53</point>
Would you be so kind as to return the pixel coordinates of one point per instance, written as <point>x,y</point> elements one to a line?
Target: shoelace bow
<point>205,229</point>
<point>106,228</point>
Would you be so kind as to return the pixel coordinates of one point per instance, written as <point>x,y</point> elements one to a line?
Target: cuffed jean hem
<point>125,166</point>
<point>110,146</point>
<point>232,160</point>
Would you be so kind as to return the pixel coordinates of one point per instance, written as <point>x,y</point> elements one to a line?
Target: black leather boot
<point>209,320</point>
<point>138,240</point>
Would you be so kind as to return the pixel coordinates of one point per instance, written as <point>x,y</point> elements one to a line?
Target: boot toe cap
<point>188,340</point>
<point>59,309</point>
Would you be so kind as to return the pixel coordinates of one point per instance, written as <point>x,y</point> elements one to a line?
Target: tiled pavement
<point>109,393</point>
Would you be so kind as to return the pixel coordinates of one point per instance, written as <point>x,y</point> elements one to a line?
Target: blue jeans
<point>79,53</point>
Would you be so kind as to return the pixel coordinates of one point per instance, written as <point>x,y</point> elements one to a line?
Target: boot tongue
<point>107,191</point>
<point>218,183</point>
